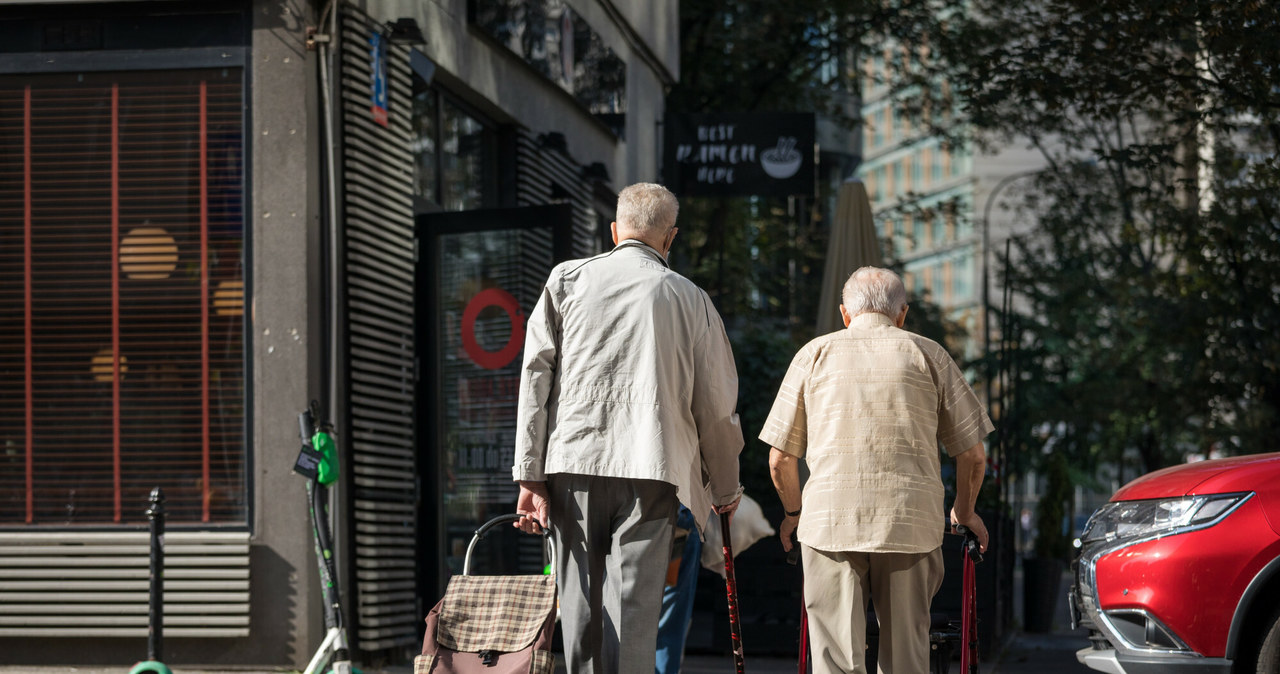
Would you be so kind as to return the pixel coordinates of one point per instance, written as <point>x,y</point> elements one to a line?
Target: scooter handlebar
<point>306,426</point>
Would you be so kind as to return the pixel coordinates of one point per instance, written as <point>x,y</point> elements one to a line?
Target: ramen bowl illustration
<point>782,161</point>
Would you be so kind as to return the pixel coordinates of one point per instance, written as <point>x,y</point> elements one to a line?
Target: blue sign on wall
<point>378,81</point>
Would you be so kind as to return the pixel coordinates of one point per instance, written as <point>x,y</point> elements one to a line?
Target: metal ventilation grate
<point>95,584</point>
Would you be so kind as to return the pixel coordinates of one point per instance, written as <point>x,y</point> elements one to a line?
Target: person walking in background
<point>866,408</point>
<point>677,596</point>
<point>627,408</point>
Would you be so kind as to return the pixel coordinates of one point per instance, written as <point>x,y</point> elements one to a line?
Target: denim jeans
<point>677,601</point>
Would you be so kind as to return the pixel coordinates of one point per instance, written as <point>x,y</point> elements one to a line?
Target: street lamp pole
<point>986,272</point>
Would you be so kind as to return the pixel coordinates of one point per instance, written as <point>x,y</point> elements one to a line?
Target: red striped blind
<point>122,297</point>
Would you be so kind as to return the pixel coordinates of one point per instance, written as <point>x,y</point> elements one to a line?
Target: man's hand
<point>785,531</point>
<point>532,507</point>
<point>975,524</point>
<point>728,507</point>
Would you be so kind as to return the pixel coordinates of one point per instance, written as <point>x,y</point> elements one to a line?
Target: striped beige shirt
<point>866,408</point>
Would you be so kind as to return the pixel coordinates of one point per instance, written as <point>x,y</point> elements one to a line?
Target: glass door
<point>482,274</point>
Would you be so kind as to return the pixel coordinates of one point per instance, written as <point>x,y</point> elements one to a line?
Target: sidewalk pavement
<point>1052,653</point>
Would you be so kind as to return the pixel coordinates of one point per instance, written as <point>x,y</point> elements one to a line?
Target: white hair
<point>874,289</point>
<point>647,209</point>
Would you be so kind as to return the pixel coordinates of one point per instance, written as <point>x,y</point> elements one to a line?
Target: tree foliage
<point>1148,290</point>
<point>747,55</point>
<point>761,259</point>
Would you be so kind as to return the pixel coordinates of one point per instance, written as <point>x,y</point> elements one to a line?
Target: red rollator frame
<point>969,603</point>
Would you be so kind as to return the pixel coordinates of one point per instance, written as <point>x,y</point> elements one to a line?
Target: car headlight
<point>1126,520</point>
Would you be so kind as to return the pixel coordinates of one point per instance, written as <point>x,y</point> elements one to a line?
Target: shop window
<point>555,41</point>
<point>122,297</point>
<point>455,154</point>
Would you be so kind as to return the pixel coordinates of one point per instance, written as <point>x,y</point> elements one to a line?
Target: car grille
<point>1132,628</point>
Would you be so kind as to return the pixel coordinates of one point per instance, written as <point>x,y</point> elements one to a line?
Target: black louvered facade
<point>549,176</point>
<point>377,277</point>
<point>392,461</point>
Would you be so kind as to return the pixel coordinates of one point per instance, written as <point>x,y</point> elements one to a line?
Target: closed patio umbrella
<point>853,244</point>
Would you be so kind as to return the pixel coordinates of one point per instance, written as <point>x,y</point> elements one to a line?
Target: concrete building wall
<point>284,221</point>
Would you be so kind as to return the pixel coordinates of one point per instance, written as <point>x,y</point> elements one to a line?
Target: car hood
<point>1217,476</point>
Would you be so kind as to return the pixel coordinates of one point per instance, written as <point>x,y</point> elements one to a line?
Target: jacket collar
<point>637,243</point>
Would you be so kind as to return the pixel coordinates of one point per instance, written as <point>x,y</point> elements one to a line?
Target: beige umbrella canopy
<point>853,244</point>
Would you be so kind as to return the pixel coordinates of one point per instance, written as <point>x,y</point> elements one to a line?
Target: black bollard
<point>155,624</point>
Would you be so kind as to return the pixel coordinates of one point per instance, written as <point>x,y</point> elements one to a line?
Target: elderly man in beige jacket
<point>626,409</point>
<point>867,408</point>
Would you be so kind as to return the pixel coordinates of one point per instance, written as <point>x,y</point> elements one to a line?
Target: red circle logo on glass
<point>492,297</point>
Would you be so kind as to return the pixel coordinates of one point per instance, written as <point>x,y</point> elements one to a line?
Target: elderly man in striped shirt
<point>867,408</point>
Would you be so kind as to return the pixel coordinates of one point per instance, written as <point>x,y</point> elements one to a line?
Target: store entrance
<point>479,275</point>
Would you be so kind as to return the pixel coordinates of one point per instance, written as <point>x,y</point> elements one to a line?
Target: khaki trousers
<point>837,586</point>
<point>613,539</point>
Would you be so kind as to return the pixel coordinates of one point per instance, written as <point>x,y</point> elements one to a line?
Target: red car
<point>1180,571</point>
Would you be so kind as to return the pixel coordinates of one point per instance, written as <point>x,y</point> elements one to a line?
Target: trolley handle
<point>487,527</point>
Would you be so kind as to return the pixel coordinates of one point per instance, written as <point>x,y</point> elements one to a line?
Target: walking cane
<point>969,603</point>
<point>731,588</point>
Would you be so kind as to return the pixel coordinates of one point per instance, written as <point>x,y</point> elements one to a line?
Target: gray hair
<point>874,289</point>
<point>647,209</point>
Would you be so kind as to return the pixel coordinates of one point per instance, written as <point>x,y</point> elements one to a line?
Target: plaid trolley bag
<point>491,624</point>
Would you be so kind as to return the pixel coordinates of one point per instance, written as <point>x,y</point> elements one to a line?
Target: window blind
<point>122,297</point>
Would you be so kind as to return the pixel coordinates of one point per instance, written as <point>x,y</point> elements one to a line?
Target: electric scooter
<point>318,462</point>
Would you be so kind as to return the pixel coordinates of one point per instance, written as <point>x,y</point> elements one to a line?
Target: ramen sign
<point>741,154</point>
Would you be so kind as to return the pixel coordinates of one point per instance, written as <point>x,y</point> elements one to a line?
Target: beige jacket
<point>628,373</point>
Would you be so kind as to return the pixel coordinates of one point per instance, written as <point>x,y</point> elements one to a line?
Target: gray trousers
<point>613,540</point>
<point>836,588</point>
